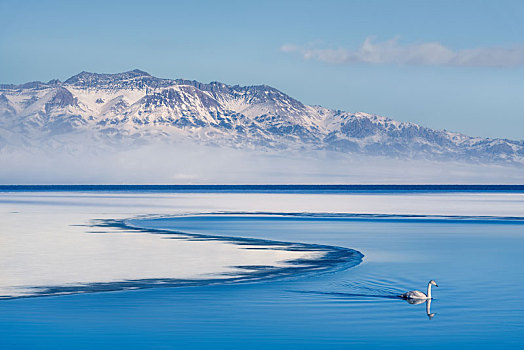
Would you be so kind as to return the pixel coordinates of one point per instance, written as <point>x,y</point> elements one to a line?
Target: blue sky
<point>455,65</point>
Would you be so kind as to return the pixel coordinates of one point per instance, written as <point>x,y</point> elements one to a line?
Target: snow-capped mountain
<point>134,108</point>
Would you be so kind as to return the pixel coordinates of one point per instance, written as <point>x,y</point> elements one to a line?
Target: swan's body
<point>414,294</point>
<point>418,295</point>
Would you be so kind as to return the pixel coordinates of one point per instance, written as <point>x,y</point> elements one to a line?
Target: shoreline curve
<point>329,259</point>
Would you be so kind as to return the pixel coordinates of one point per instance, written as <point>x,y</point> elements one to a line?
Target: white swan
<point>416,294</point>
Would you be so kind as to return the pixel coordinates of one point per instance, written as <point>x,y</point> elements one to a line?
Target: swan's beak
<point>436,285</point>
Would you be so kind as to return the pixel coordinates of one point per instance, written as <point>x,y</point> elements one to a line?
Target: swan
<point>416,294</point>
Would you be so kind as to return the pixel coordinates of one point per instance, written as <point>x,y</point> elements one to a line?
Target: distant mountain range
<point>135,108</point>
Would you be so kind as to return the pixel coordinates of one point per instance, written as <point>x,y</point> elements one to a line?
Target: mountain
<point>135,108</point>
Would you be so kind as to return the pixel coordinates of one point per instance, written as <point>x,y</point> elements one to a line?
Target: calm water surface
<point>478,266</point>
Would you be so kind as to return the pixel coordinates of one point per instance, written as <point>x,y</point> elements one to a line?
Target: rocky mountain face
<point>134,108</point>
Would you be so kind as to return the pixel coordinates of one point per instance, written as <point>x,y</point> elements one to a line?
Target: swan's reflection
<point>352,296</point>
<point>420,301</point>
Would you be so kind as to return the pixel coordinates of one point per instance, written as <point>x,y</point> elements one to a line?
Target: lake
<point>251,268</point>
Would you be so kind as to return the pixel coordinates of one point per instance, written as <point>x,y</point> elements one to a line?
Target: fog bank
<point>197,164</point>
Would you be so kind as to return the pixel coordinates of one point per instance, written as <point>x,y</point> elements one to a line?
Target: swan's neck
<point>429,291</point>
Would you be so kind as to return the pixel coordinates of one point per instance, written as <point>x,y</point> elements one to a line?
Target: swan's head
<point>433,283</point>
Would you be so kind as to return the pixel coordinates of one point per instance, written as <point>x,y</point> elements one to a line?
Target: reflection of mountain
<point>136,108</point>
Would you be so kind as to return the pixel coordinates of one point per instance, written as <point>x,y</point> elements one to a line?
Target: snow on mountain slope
<point>134,108</point>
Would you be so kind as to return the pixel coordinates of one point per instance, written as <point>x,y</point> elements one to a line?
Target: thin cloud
<point>424,54</point>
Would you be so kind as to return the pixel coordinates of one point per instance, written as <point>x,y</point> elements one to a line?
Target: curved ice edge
<point>360,217</point>
<point>333,258</point>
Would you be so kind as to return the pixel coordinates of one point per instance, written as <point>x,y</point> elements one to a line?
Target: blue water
<point>478,265</point>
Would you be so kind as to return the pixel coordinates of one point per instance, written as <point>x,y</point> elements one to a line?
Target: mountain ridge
<point>134,108</point>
